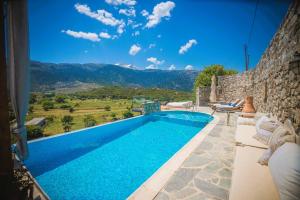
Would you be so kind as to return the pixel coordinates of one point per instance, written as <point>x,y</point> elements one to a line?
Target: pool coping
<point>152,186</point>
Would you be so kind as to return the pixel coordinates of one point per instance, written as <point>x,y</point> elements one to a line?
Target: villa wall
<point>275,81</point>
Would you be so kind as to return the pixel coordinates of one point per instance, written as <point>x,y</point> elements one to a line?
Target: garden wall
<point>275,81</point>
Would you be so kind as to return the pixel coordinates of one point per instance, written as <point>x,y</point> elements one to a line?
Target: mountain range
<point>52,76</point>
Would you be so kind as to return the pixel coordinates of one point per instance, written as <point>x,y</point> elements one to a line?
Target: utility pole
<point>246,57</point>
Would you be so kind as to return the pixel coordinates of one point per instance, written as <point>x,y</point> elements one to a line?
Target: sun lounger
<point>185,104</point>
<point>250,180</point>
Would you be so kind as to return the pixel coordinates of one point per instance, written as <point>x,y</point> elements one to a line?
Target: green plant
<point>89,121</point>
<point>33,98</point>
<point>127,114</point>
<point>30,109</point>
<point>47,105</point>
<point>50,119</point>
<point>34,132</point>
<point>107,108</point>
<point>67,122</point>
<point>113,116</point>
<point>60,99</point>
<point>71,110</point>
<point>204,77</point>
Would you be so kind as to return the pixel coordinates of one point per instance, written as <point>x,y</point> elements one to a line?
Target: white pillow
<point>285,170</point>
<point>262,135</point>
<point>284,133</point>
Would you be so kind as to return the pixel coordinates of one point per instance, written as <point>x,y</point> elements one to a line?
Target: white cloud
<point>86,51</point>
<point>120,2</point>
<point>134,26</point>
<point>159,36</point>
<point>136,33</point>
<point>183,49</point>
<point>152,66</point>
<point>88,36</point>
<point>121,28</point>
<point>159,12</point>
<point>152,45</point>
<point>172,67</point>
<point>134,49</point>
<point>101,15</point>
<point>145,13</point>
<point>189,67</point>
<point>105,35</point>
<point>155,61</point>
<point>128,12</point>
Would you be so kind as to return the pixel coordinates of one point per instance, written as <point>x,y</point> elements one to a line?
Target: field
<point>82,108</point>
<point>102,105</point>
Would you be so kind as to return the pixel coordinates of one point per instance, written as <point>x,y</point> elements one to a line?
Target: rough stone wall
<point>275,81</point>
<point>203,95</point>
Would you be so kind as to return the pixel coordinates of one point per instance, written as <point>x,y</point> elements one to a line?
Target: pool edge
<point>152,186</point>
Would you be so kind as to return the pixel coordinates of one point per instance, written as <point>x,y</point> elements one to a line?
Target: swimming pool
<point>110,161</point>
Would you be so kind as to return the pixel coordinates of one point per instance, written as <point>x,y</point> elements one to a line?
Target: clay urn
<point>248,106</point>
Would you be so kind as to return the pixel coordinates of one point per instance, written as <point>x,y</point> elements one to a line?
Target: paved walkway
<point>206,173</point>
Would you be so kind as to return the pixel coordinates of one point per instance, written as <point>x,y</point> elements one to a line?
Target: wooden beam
<point>6,162</point>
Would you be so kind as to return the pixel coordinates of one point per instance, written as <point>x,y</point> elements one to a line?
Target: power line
<point>247,56</point>
<point>252,24</point>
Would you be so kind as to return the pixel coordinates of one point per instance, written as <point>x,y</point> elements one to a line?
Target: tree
<point>89,121</point>
<point>127,114</point>
<point>113,116</point>
<point>204,77</point>
<point>71,110</point>
<point>60,99</point>
<point>67,122</point>
<point>47,105</point>
<point>107,108</point>
<point>33,98</point>
<point>34,132</point>
<point>30,109</point>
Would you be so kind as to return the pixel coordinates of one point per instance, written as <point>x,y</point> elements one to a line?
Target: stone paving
<point>206,173</point>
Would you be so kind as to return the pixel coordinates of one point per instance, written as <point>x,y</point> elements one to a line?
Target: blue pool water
<point>113,160</point>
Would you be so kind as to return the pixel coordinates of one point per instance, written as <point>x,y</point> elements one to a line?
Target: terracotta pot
<point>248,106</point>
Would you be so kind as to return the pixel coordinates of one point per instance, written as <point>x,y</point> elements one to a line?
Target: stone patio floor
<point>206,173</point>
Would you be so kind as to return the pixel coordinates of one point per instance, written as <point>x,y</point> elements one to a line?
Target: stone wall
<point>275,81</point>
<point>202,93</point>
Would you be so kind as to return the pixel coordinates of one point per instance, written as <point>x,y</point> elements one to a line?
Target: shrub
<point>67,122</point>
<point>204,77</point>
<point>60,99</point>
<point>65,106</point>
<point>127,114</point>
<point>71,109</point>
<point>50,119</point>
<point>89,121</point>
<point>30,109</point>
<point>113,116</point>
<point>107,108</point>
<point>33,98</point>
<point>47,105</point>
<point>34,132</point>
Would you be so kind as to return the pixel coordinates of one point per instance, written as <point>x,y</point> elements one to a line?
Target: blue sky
<point>175,34</point>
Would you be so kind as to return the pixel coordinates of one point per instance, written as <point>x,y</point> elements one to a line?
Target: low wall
<point>275,81</point>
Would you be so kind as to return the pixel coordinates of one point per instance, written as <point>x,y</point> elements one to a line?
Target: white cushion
<point>245,121</point>
<point>262,135</point>
<point>284,133</point>
<point>285,169</point>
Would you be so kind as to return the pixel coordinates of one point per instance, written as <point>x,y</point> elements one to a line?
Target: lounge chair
<point>228,108</point>
<point>229,103</point>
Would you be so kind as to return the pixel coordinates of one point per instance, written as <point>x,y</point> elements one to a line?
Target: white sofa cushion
<point>246,121</point>
<point>284,133</point>
<point>285,170</point>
